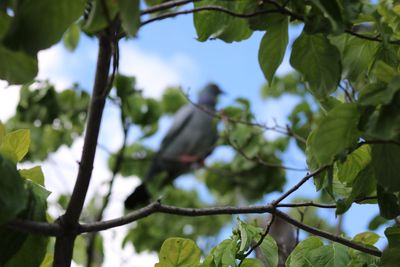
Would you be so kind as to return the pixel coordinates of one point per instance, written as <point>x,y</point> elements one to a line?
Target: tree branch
<point>165,6</point>
<point>69,221</point>
<point>209,8</point>
<point>157,207</point>
<point>298,185</point>
<point>106,199</point>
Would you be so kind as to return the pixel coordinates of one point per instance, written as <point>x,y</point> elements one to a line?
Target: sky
<point>164,54</point>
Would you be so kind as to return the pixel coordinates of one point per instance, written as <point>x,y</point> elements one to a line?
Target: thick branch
<point>69,221</point>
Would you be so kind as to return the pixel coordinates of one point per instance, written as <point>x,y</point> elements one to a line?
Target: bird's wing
<point>181,119</point>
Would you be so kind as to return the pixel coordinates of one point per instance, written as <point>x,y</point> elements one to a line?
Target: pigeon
<point>190,139</point>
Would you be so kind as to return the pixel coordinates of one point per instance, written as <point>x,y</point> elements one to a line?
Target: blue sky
<point>167,53</point>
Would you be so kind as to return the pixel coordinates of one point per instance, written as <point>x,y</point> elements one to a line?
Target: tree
<point>347,124</point>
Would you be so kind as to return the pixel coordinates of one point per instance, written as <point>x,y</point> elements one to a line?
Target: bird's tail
<point>139,197</point>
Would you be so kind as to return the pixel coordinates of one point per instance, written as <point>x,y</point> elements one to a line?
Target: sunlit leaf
<point>178,252</point>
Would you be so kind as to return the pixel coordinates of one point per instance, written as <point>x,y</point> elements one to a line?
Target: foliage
<point>347,80</point>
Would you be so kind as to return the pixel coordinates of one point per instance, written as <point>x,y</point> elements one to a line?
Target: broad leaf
<point>319,61</point>
<point>335,132</point>
<point>16,67</point>
<point>366,238</point>
<point>71,37</point>
<point>379,93</point>
<point>390,257</point>
<point>13,196</point>
<point>100,15</point>
<point>385,160</point>
<point>334,255</point>
<point>354,163</point>
<point>358,56</point>
<point>298,257</point>
<point>389,207</point>
<point>39,24</point>
<point>130,15</point>
<point>248,234</point>
<point>35,174</point>
<point>393,236</point>
<point>179,252</point>
<point>16,143</point>
<point>269,250</point>
<point>225,253</point>
<point>252,263</point>
<point>33,250</point>
<point>273,46</point>
<point>215,24</point>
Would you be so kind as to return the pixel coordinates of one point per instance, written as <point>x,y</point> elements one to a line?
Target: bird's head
<point>209,94</point>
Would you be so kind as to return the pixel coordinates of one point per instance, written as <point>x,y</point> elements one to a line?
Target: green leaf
<point>225,253</point>
<point>376,222</point>
<point>178,252</point>
<point>364,185</point>
<point>354,163</point>
<point>13,196</point>
<point>35,174</point>
<point>298,257</point>
<point>2,132</point>
<point>319,61</point>
<point>214,24</point>
<point>332,11</point>
<point>358,56</point>
<point>335,132</point>
<point>5,21</point>
<point>99,18</point>
<point>334,255</point>
<point>39,24</point>
<point>385,160</point>
<point>252,263</point>
<point>248,234</point>
<point>393,236</point>
<point>389,207</point>
<point>366,238</point>
<point>16,67</point>
<point>71,37</point>
<point>379,93</point>
<point>16,143</point>
<point>273,46</point>
<point>130,16</point>
<point>269,250</point>
<point>33,250</point>
<point>47,261</point>
<point>390,257</point>
<point>384,72</point>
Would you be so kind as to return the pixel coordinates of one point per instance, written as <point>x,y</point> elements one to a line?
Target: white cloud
<point>52,64</point>
<point>154,73</point>
<point>9,97</point>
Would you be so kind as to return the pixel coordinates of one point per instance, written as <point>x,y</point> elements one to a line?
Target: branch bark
<point>69,221</point>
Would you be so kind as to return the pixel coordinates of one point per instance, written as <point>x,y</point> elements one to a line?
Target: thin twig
<point>298,185</point>
<point>165,6</point>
